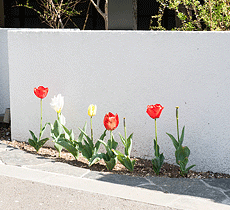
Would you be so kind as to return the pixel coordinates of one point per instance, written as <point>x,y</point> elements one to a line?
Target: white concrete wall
<point>123,72</point>
<point>4,72</point>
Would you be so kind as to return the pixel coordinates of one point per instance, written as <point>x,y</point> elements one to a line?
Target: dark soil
<point>142,167</point>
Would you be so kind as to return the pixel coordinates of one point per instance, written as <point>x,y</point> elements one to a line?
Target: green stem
<point>125,129</point>
<point>111,137</point>
<point>156,135</point>
<point>91,125</point>
<point>58,116</point>
<point>177,122</point>
<point>40,121</point>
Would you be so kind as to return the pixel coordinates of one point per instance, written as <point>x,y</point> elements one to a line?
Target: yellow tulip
<point>92,110</point>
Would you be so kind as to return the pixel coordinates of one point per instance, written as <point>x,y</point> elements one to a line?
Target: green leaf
<point>86,143</point>
<point>106,146</point>
<point>133,162</point>
<point>98,143</point>
<point>182,165</point>
<point>66,130</point>
<point>85,149</point>
<point>80,137</point>
<point>106,157</point>
<point>162,158</point>
<point>181,137</point>
<point>32,143</point>
<point>97,146</point>
<point>122,139</point>
<point>187,169</point>
<point>57,129</point>
<point>156,146</point>
<point>128,147</point>
<point>124,160</point>
<point>111,163</point>
<point>69,133</point>
<point>118,153</point>
<point>112,143</point>
<point>182,153</point>
<point>86,152</point>
<point>90,141</point>
<point>41,143</point>
<point>155,166</point>
<point>43,129</point>
<point>103,135</point>
<point>95,158</point>
<point>175,142</point>
<point>58,147</point>
<point>157,163</point>
<point>68,146</point>
<point>35,139</point>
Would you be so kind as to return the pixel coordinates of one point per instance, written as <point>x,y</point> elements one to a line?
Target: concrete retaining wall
<point>123,72</point>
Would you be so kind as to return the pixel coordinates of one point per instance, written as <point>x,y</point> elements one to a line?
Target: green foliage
<point>178,143</point>
<point>66,139</point>
<point>124,159</point>
<point>88,149</point>
<point>110,161</point>
<point>109,157</point>
<point>158,160</point>
<point>38,143</point>
<point>112,155</point>
<point>56,131</point>
<point>55,13</point>
<point>127,142</point>
<point>212,15</point>
<point>181,153</point>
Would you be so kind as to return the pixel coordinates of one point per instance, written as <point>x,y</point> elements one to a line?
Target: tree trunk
<point>106,15</point>
<point>134,14</point>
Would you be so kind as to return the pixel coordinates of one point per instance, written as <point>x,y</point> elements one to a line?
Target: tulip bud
<point>92,109</point>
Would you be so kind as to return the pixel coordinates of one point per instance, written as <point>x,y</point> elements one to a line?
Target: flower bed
<point>143,167</point>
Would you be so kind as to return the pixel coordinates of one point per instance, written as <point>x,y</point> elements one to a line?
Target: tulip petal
<point>57,103</point>
<point>111,121</point>
<point>41,92</point>
<point>154,111</point>
<point>92,109</point>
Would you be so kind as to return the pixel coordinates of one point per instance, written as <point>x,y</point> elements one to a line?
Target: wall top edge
<point>36,30</point>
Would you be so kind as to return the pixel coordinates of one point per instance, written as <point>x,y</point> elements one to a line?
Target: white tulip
<point>57,103</point>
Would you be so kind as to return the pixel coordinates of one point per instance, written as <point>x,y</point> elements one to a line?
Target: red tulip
<point>111,121</point>
<point>41,92</point>
<point>154,111</point>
